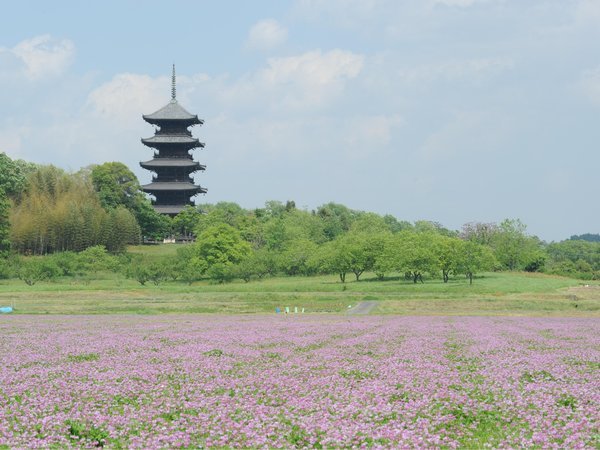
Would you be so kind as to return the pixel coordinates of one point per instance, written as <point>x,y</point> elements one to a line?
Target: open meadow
<point>500,293</point>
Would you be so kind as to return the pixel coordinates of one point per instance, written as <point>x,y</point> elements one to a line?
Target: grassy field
<point>490,294</point>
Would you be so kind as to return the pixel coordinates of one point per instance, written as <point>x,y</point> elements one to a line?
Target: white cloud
<point>310,79</point>
<point>314,68</point>
<point>44,55</point>
<point>294,83</point>
<point>128,95</point>
<point>266,34</point>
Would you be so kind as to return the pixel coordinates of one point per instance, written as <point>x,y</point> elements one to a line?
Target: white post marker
<point>295,310</point>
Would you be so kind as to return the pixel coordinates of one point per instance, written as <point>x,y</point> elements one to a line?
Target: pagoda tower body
<point>173,164</point>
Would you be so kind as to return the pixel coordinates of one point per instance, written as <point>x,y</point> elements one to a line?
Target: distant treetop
<point>586,237</point>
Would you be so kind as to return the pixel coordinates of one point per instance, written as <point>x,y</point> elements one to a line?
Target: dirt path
<point>363,307</point>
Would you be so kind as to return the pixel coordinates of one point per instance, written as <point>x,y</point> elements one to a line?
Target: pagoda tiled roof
<point>172,162</point>
<point>172,186</point>
<point>169,209</point>
<point>172,139</point>
<point>172,111</point>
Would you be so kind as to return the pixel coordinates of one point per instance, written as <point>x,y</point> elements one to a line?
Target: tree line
<point>47,211</point>
<point>44,209</point>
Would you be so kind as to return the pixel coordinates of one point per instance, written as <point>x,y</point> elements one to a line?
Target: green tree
<point>272,209</point>
<point>97,259</point>
<point>66,262</point>
<point>193,269</point>
<point>357,251</point>
<point>13,175</point>
<point>121,229</point>
<point>221,273</point>
<point>144,270</point>
<point>116,186</point>
<point>578,258</point>
<point>336,219</point>
<point>447,251</point>
<point>474,258</point>
<point>334,258</point>
<point>575,250</point>
<point>395,225</point>
<point>228,213</point>
<point>34,269</point>
<point>140,271</point>
<point>427,226</point>
<point>514,249</point>
<point>297,259</point>
<point>231,214</point>
<point>589,237</point>
<point>388,260</point>
<point>367,222</point>
<point>189,265</point>
<point>4,224</point>
<point>185,222</point>
<point>265,262</point>
<point>152,225</point>
<point>416,254</point>
<point>245,270</point>
<point>12,182</point>
<point>220,246</point>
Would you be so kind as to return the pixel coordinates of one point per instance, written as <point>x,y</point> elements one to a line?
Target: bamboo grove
<point>56,211</point>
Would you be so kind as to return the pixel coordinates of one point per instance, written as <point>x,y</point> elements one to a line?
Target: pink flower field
<point>298,381</point>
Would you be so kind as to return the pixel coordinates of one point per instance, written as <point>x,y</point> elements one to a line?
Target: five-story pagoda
<point>173,164</point>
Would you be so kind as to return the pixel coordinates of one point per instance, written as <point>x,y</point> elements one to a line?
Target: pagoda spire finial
<point>173,88</point>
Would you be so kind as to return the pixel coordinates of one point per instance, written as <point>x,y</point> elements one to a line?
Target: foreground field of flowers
<point>298,381</point>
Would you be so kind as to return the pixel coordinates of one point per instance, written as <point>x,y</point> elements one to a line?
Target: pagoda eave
<point>170,209</point>
<point>173,112</point>
<point>161,186</point>
<point>173,163</point>
<point>172,139</point>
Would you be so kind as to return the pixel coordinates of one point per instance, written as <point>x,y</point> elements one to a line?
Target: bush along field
<point>299,381</point>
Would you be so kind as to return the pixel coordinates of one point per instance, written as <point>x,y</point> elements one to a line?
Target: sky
<point>452,111</point>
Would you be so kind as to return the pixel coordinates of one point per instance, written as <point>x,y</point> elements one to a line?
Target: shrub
<point>66,262</point>
<point>221,273</point>
<point>36,269</point>
<point>97,259</point>
<point>9,267</point>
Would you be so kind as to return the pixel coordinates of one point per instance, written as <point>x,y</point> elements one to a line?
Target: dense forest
<point>54,223</point>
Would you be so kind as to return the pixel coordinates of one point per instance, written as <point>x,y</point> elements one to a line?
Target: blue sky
<point>446,110</point>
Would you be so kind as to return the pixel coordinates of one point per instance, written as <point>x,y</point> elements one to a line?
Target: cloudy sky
<point>444,110</point>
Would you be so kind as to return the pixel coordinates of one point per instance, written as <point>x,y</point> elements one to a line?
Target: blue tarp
<point>5,309</point>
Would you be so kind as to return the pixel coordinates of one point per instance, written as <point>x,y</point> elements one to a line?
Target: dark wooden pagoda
<point>173,164</point>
